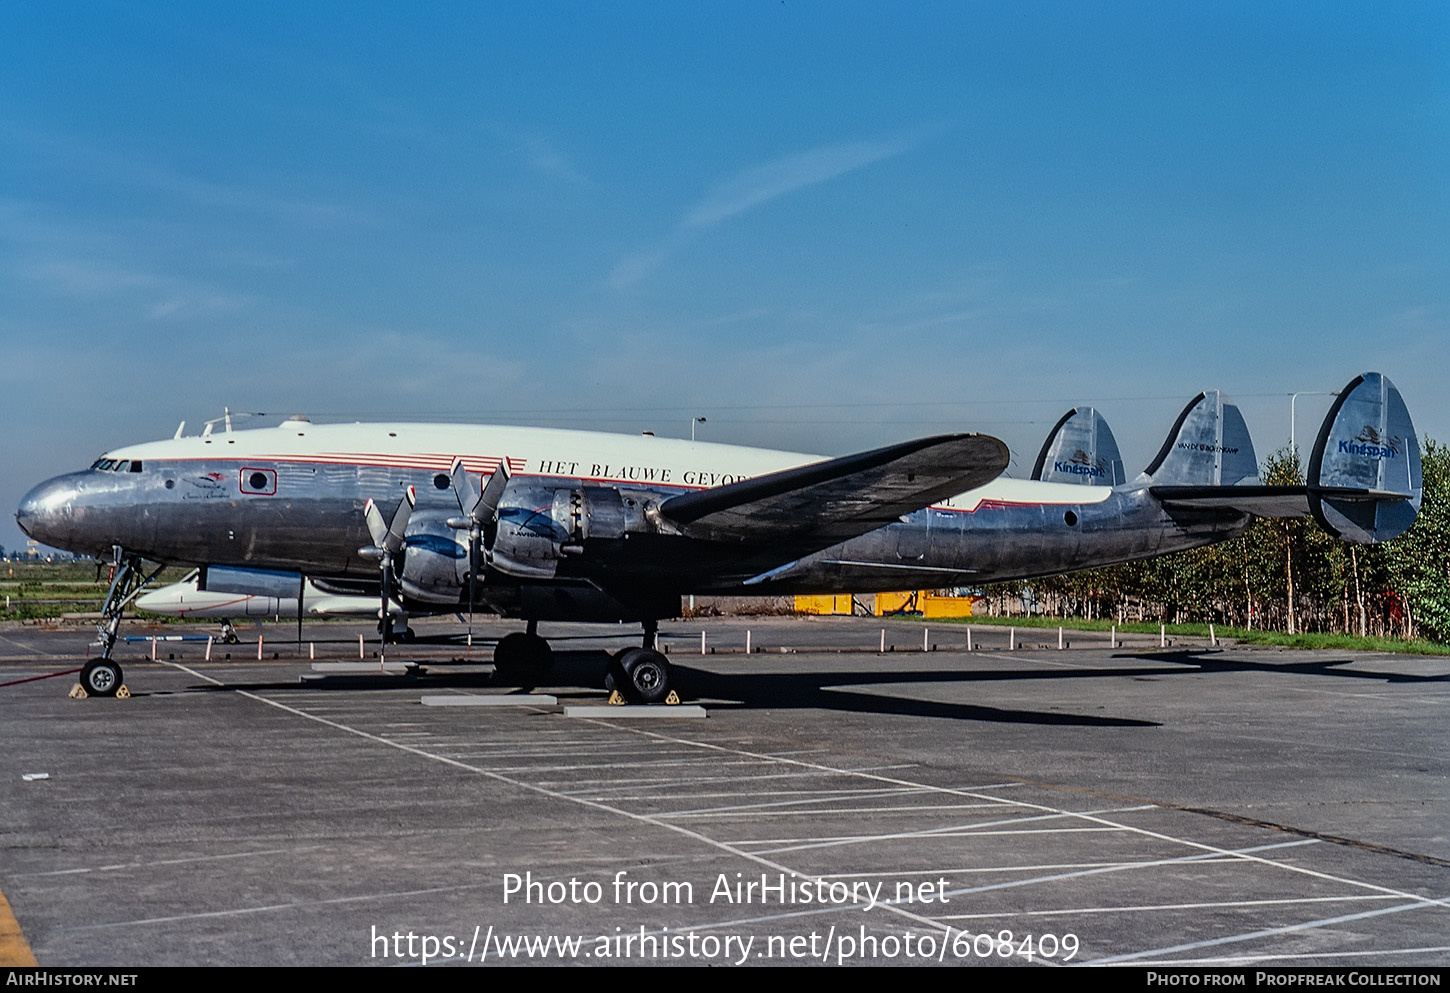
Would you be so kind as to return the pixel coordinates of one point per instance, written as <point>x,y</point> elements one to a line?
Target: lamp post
<point>693,422</point>
<point>1295,396</point>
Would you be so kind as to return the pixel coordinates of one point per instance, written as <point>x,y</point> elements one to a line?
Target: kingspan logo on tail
<point>1370,445</point>
<point>1080,465</point>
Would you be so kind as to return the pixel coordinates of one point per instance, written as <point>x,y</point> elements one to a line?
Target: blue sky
<point>823,226</point>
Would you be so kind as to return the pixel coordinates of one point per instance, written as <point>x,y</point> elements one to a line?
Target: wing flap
<point>818,505</point>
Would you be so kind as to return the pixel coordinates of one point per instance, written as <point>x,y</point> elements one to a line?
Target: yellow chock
<point>123,693</point>
<point>78,693</point>
<point>616,699</point>
<point>673,699</point>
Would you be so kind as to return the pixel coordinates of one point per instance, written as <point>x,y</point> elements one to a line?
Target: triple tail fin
<point>1080,448</point>
<point>1364,474</point>
<point>1364,482</point>
<point>1208,446</point>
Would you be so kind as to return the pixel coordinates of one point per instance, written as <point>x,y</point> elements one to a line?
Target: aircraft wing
<point>816,506</point>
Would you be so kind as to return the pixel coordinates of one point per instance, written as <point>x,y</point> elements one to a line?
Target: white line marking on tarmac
<point>181,861</point>
<point>1266,957</point>
<point>816,812</point>
<point>1155,907</point>
<point>1204,851</point>
<point>1143,832</point>
<point>1268,932</point>
<point>954,830</point>
<point>833,795</point>
<point>543,791</point>
<point>269,908</point>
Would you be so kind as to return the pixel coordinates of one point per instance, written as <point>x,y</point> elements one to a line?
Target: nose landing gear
<point>102,676</point>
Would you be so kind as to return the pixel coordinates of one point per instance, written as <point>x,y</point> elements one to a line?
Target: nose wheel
<point>101,677</point>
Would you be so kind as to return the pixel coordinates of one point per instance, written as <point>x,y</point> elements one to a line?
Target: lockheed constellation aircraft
<point>570,525</point>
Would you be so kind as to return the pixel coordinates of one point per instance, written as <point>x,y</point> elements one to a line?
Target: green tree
<point>1418,562</point>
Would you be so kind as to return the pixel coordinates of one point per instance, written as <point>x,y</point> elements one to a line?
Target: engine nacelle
<point>539,525</point>
<point>434,563</point>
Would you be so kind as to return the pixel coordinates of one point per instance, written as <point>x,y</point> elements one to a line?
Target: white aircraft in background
<point>185,599</point>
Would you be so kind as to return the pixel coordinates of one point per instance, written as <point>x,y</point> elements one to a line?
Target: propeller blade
<point>398,526</point>
<point>377,527</point>
<point>465,488</point>
<point>389,538</point>
<point>487,514</point>
<point>493,491</point>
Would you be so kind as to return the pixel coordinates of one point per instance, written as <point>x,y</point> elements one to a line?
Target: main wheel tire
<point>522,659</point>
<point>101,677</point>
<point>642,675</point>
<point>614,677</point>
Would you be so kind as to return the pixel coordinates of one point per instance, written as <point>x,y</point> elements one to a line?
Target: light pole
<point>1296,396</point>
<point>693,422</point>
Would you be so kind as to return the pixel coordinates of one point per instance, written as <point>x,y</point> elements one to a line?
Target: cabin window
<point>135,465</point>
<point>259,481</point>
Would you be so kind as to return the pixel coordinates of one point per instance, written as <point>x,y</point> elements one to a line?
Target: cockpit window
<point>117,465</point>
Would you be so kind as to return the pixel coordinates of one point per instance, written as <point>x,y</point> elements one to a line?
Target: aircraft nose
<point>45,512</point>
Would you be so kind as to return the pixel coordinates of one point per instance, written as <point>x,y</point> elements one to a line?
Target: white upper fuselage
<point>590,456</point>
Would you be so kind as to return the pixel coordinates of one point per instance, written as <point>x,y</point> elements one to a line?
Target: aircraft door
<point>913,537</point>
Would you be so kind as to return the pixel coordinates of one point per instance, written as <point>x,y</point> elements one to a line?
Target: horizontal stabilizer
<point>1364,483</point>
<point>1080,449</point>
<point>1261,501</point>
<point>818,505</point>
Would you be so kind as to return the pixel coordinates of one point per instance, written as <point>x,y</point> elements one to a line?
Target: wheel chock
<point>673,699</point>
<point>77,692</point>
<point>123,693</point>
<point>616,699</point>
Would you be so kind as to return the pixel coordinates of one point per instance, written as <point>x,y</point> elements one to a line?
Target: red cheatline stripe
<point>49,675</point>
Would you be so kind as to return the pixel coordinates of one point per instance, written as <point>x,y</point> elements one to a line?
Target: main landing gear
<point>523,658</point>
<point>639,675</point>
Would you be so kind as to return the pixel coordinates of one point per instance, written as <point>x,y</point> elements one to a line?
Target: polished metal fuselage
<point>293,500</point>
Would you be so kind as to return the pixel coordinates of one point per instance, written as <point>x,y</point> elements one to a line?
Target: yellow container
<point>947,606</point>
<point>838,604</point>
<point>896,603</point>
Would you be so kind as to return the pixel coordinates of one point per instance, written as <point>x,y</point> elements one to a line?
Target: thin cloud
<point>757,186</point>
<point>753,188</point>
<point>544,158</point>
